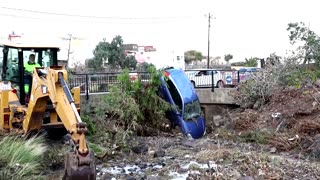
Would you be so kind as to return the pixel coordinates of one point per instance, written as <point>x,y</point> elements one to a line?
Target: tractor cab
<point>14,56</point>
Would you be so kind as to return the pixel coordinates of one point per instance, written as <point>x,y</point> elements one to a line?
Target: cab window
<point>12,68</point>
<point>27,53</point>
<point>1,61</point>
<point>43,57</point>
<point>47,58</point>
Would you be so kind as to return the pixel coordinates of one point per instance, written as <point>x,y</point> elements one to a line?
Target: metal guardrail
<point>101,82</point>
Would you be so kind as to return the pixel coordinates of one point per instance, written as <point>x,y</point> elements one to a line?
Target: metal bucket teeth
<point>74,171</point>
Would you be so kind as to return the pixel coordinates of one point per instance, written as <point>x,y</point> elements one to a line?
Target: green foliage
<point>256,136</point>
<point>228,57</point>
<point>90,125</point>
<point>301,76</point>
<point>273,59</point>
<point>111,54</point>
<point>192,55</point>
<point>258,89</point>
<point>128,62</point>
<point>136,104</point>
<point>308,42</point>
<point>144,67</point>
<point>238,64</point>
<point>21,158</point>
<point>95,64</point>
<point>97,149</point>
<point>251,62</point>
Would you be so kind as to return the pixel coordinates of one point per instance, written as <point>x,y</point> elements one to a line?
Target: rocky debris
<point>246,178</point>
<point>139,149</point>
<point>159,153</point>
<point>223,159</point>
<point>218,120</point>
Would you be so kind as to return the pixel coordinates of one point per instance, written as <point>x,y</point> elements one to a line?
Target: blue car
<point>177,89</point>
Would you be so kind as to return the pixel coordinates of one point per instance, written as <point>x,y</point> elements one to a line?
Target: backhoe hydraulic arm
<point>81,127</point>
<point>50,85</point>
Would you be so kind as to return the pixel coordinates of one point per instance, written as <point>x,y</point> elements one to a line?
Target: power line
<point>92,17</point>
<point>84,21</point>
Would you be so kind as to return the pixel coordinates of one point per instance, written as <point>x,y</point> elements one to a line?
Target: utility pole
<point>209,18</point>
<point>69,39</point>
<point>69,48</point>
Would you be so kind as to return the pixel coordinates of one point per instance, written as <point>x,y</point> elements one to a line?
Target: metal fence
<point>101,82</point>
<point>205,78</point>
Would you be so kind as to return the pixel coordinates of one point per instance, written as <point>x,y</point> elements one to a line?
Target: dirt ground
<point>279,140</point>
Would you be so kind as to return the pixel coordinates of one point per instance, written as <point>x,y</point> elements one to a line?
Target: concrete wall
<point>215,104</point>
<point>219,96</point>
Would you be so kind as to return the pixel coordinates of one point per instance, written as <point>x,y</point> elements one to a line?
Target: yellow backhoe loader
<point>47,105</point>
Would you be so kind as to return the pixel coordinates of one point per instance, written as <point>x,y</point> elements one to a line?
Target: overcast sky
<point>243,28</point>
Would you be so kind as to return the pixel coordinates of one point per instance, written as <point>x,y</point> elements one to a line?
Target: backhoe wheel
<point>75,172</point>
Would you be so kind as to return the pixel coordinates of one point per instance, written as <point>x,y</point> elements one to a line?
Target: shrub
<point>137,102</point>
<point>20,158</point>
<point>258,89</point>
<point>90,125</point>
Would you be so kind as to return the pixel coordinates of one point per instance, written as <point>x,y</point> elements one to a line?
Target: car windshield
<point>192,110</point>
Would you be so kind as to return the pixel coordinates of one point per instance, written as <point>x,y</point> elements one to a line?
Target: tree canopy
<point>308,42</point>
<point>192,55</point>
<point>249,62</point>
<point>228,57</point>
<point>112,54</point>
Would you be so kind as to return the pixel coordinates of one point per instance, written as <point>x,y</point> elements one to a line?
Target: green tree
<point>238,64</point>
<point>308,42</point>
<point>101,53</point>
<point>273,59</point>
<point>112,54</point>
<point>251,62</point>
<point>116,56</point>
<point>228,57</point>
<point>192,55</point>
<point>128,62</point>
<point>144,67</point>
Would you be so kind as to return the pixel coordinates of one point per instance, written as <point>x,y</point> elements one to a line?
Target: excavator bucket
<point>78,167</point>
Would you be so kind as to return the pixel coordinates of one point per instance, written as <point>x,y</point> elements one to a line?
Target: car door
<point>208,77</point>
<point>199,78</point>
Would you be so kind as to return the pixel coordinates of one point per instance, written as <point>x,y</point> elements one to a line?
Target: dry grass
<point>285,141</point>
<point>308,126</point>
<point>245,120</point>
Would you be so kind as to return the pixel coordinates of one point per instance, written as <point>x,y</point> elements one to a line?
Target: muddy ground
<point>278,140</point>
<point>208,158</point>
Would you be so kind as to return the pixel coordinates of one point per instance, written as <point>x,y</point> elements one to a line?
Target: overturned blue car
<point>176,89</point>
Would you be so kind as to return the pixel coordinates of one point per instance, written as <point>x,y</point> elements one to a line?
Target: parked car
<point>203,78</point>
<point>245,73</point>
<point>177,89</point>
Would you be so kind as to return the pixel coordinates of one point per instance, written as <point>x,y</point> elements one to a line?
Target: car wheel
<point>220,84</point>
